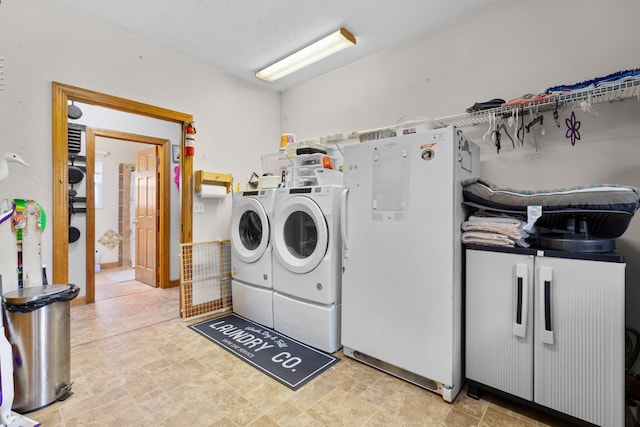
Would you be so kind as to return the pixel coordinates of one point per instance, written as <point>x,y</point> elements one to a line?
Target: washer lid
<point>300,234</point>
<point>250,230</point>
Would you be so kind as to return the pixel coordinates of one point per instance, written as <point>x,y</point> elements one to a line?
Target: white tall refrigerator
<point>402,272</point>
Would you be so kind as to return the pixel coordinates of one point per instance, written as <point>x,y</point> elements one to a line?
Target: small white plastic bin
<point>308,160</point>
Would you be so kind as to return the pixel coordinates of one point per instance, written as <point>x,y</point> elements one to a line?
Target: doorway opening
<point>62,95</point>
<point>127,239</point>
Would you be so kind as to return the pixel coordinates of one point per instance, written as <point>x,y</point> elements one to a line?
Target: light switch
<point>198,207</point>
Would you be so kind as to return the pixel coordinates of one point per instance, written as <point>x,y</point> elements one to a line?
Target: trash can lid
<point>33,293</point>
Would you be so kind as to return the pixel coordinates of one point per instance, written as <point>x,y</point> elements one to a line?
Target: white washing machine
<point>251,260</point>
<point>307,258</point>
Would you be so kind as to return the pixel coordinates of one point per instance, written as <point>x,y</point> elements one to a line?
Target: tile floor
<point>134,362</point>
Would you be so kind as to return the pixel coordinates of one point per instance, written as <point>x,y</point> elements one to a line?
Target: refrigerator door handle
<point>545,280</point>
<point>521,283</point>
<point>343,221</point>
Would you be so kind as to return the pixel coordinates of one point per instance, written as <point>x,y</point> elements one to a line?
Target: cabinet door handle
<point>545,280</point>
<point>521,283</point>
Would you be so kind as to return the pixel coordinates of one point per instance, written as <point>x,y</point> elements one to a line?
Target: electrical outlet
<point>198,207</point>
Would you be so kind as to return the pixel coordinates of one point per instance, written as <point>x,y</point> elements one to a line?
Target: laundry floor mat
<point>282,358</point>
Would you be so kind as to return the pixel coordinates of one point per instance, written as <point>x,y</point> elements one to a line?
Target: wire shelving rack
<point>606,92</point>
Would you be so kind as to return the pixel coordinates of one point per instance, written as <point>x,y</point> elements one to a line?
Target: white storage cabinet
<point>548,330</point>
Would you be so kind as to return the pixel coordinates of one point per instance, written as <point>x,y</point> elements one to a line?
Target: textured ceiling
<point>242,36</point>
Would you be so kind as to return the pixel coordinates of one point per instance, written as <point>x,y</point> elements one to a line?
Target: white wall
<point>505,51</point>
<point>236,121</point>
<point>514,48</point>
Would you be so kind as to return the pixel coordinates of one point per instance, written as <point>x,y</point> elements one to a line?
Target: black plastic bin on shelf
<point>38,323</point>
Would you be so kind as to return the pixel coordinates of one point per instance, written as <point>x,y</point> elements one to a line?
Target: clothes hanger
<point>497,141</point>
<point>489,132</point>
<point>538,119</point>
<point>585,105</point>
<point>498,136</point>
<point>520,132</point>
<point>556,116</point>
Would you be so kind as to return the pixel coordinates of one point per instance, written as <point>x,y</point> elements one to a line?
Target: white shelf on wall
<point>606,92</point>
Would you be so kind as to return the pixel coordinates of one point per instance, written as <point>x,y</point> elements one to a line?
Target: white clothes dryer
<point>307,245</point>
<point>251,258</point>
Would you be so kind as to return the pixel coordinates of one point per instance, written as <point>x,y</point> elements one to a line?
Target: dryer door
<point>249,230</point>
<point>300,234</point>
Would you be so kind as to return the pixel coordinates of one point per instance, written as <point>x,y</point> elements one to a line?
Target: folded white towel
<point>511,231</point>
<point>483,238</point>
<point>498,219</point>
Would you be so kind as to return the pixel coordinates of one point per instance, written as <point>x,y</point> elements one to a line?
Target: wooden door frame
<point>62,94</point>
<point>163,200</point>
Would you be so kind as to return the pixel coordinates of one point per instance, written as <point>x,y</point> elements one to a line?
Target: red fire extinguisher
<point>190,140</point>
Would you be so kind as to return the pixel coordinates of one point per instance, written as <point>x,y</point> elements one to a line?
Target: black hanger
<point>498,136</point>
<point>520,132</point>
<point>556,117</point>
<point>538,119</point>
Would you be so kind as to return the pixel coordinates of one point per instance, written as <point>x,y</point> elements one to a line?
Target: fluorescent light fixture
<point>329,45</point>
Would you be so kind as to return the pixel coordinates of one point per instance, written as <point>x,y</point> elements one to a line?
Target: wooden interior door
<point>146,215</point>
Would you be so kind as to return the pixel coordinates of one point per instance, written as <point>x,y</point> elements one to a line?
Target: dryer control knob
<point>265,276</point>
<point>319,286</point>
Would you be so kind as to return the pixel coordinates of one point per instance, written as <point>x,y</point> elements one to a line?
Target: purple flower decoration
<point>573,128</point>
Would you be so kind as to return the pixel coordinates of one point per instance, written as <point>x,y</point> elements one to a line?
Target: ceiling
<point>243,36</point>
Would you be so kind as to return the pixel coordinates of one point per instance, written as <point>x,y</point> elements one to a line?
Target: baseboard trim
<point>78,301</point>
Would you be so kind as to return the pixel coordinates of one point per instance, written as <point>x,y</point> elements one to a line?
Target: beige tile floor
<point>134,362</point>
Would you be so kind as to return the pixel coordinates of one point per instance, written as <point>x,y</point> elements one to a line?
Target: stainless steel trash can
<point>37,324</point>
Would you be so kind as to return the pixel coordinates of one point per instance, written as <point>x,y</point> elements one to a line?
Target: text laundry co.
<point>284,359</point>
<point>240,336</point>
